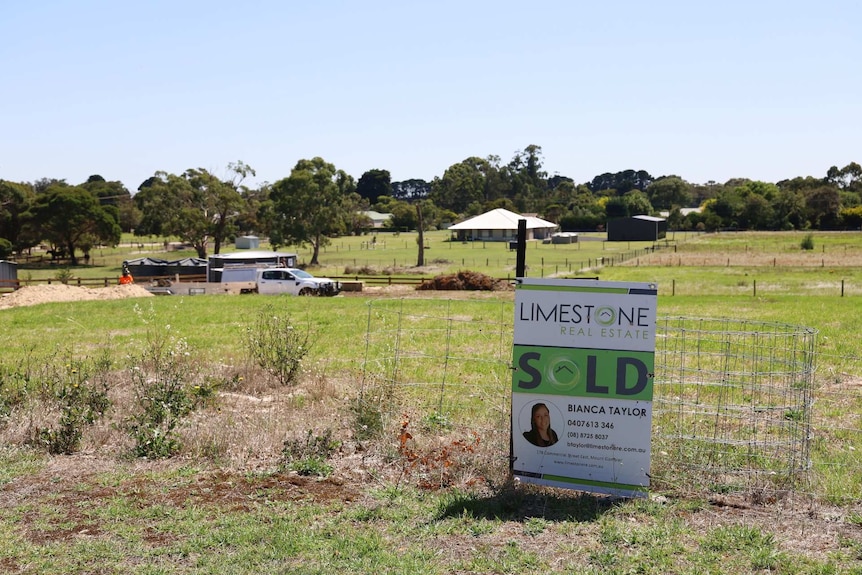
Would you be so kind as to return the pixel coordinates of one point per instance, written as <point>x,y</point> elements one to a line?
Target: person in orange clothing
<point>126,278</point>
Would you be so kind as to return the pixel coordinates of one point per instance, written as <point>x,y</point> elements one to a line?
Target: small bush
<point>277,346</point>
<point>436,421</point>
<point>64,275</point>
<point>80,390</point>
<point>368,409</point>
<point>6,248</point>
<point>163,377</point>
<point>807,242</point>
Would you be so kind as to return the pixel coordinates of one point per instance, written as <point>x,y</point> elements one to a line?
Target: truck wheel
<point>306,291</point>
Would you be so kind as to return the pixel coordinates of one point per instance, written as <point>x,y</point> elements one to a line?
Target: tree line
<point>317,201</point>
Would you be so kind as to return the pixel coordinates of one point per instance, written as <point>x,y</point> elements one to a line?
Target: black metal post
<point>521,258</point>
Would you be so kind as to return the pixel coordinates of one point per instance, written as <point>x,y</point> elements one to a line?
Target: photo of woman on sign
<point>540,433</point>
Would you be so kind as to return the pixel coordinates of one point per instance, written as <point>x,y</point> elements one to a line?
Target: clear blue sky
<point>766,90</point>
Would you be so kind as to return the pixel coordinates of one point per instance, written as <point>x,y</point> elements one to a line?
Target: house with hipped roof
<point>501,225</point>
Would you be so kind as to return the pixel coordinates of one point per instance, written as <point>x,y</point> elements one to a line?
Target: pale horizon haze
<point>765,90</point>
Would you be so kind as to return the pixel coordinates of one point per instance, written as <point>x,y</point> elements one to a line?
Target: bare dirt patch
<point>72,485</point>
<point>34,295</point>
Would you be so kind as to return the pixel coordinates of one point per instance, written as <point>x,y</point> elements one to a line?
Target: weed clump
<point>437,467</point>
<point>13,386</point>
<point>64,276</point>
<point>367,419</point>
<point>309,455</point>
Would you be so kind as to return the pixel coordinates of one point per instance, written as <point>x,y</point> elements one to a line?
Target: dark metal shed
<point>155,267</point>
<point>637,229</point>
<point>187,267</point>
<point>8,274</point>
<point>148,267</point>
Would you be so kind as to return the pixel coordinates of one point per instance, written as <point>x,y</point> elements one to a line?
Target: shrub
<point>277,346</point>
<point>163,378</point>
<point>6,248</point>
<point>807,242</point>
<point>369,409</point>
<point>64,275</point>
<point>80,390</point>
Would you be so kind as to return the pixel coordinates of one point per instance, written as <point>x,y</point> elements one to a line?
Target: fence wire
<point>732,402</point>
<point>739,406</point>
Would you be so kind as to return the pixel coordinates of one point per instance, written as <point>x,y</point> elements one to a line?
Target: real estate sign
<point>582,384</point>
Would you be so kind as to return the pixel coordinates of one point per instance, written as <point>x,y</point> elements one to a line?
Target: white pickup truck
<point>294,281</point>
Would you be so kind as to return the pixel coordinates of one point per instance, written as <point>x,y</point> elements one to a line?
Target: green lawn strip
<point>213,325</point>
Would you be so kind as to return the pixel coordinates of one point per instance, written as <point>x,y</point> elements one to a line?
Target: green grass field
<point>229,504</point>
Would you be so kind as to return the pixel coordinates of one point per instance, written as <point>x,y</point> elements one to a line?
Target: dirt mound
<point>464,280</point>
<point>34,295</point>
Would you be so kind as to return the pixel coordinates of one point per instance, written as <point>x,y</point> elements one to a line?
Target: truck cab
<point>294,281</point>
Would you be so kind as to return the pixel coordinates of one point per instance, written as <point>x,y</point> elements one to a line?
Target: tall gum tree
<point>373,184</point>
<point>69,216</point>
<point>16,201</point>
<point>170,206</point>
<point>196,207</point>
<point>309,205</point>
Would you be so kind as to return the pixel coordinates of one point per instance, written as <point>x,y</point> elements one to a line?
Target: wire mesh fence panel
<point>442,362</point>
<point>738,405</point>
<point>732,402</point>
<point>836,429</point>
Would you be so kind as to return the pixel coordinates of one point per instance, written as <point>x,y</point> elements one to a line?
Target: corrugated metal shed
<point>247,243</point>
<point>637,229</point>
<point>8,273</point>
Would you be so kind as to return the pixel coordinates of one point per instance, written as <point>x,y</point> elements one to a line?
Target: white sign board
<point>582,384</point>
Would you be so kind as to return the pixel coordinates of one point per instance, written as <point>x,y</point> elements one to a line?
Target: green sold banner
<point>582,384</point>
